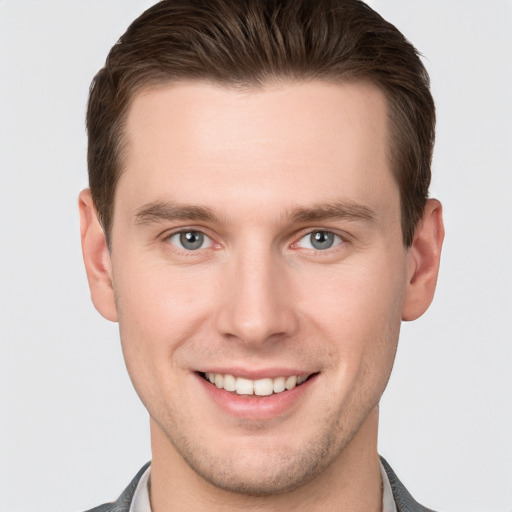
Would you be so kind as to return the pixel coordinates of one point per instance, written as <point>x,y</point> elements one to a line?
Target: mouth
<point>260,387</point>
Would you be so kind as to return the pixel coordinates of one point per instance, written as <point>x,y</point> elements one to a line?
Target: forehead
<point>308,141</point>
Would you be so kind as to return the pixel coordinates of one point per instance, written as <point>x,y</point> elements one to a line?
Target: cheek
<point>358,315</point>
<point>357,306</point>
<point>157,297</point>
<point>160,308</point>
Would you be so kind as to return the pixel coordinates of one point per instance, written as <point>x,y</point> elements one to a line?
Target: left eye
<point>190,240</point>
<point>320,240</point>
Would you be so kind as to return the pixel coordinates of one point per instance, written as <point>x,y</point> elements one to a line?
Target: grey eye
<point>190,240</point>
<point>320,240</point>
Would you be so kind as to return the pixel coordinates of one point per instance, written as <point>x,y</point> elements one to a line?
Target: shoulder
<point>403,499</point>
<point>124,501</point>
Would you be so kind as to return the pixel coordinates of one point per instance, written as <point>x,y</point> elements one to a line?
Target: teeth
<point>279,386</point>
<point>261,387</point>
<point>244,386</point>
<point>291,382</point>
<point>219,380</point>
<point>229,383</point>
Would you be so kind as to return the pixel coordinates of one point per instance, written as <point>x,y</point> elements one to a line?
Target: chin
<point>259,469</point>
<point>263,475</point>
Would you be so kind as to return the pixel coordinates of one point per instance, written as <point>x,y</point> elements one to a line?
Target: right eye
<point>190,240</point>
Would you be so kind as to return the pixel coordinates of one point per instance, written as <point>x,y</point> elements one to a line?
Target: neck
<point>351,483</point>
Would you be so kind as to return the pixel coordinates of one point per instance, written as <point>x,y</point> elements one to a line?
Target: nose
<point>257,303</point>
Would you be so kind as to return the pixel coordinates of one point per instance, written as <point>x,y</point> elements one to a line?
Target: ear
<point>98,264</point>
<point>423,261</point>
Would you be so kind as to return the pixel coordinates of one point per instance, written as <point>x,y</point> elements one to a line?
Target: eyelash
<point>339,240</point>
<point>168,237</point>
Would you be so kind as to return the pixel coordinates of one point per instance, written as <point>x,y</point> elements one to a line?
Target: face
<point>256,244</point>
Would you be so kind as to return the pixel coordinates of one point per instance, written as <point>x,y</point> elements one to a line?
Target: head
<point>258,224</point>
<point>250,44</point>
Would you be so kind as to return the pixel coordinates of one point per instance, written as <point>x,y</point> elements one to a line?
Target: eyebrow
<point>333,211</point>
<point>160,211</point>
<point>167,211</point>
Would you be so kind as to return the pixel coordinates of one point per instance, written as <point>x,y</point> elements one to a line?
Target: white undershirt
<point>140,502</point>
<point>388,502</point>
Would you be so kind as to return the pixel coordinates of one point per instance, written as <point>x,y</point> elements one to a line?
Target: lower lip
<point>253,407</point>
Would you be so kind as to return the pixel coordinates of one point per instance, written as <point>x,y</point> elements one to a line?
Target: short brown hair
<point>247,43</point>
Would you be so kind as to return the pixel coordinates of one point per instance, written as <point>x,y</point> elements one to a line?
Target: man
<point>258,224</point>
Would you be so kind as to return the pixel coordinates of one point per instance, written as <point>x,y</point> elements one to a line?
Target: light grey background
<point>72,431</point>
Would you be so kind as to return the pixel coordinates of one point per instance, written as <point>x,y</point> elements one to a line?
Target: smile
<point>260,387</point>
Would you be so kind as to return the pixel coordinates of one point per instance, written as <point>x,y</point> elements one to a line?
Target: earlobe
<point>96,257</point>
<point>423,257</point>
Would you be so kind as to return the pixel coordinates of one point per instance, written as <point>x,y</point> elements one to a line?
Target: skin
<point>257,297</point>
